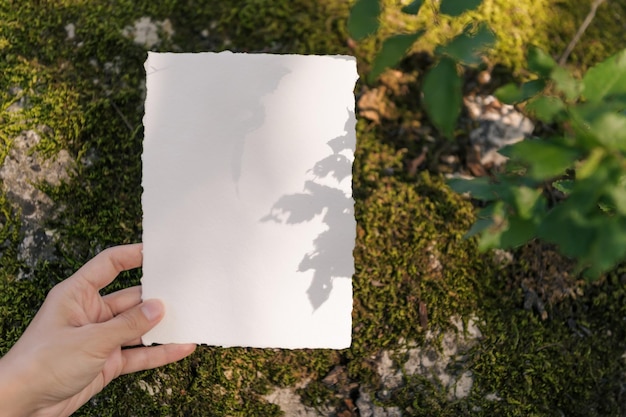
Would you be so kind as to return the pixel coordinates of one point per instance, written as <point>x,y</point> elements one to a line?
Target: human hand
<point>73,347</point>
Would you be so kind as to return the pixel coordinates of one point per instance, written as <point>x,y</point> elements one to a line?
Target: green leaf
<point>545,159</point>
<point>566,83</point>
<point>508,93</point>
<point>392,51</point>
<point>610,130</point>
<point>483,221</point>
<point>363,19</point>
<point>606,78</point>
<point>605,126</point>
<point>540,62</point>
<point>591,190</point>
<point>468,46</point>
<point>458,7</point>
<point>479,188</point>
<point>511,93</point>
<point>566,227</point>
<point>618,195</point>
<point>592,164</point>
<point>609,246</point>
<point>490,237</point>
<point>506,232</point>
<point>518,232</point>
<point>526,201</point>
<point>546,108</point>
<point>413,8</point>
<point>564,186</point>
<point>443,96</point>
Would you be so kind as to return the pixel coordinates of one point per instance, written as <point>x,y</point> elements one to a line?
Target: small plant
<point>442,84</point>
<point>568,188</point>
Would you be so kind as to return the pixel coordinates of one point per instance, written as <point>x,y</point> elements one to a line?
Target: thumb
<point>134,322</point>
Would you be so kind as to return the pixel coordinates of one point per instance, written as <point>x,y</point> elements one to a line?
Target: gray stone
<point>145,31</point>
<point>290,402</point>
<point>22,171</point>
<point>499,125</point>
<point>367,408</point>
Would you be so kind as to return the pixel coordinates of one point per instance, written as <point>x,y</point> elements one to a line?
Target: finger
<point>143,358</point>
<point>134,342</point>
<point>131,324</point>
<point>104,267</point>
<point>122,300</point>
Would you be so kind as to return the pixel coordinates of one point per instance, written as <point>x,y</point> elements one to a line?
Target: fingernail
<point>152,309</point>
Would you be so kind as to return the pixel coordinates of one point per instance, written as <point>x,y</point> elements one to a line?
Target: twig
<point>124,119</point>
<point>581,30</point>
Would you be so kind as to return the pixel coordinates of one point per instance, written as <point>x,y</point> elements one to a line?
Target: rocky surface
<point>441,364</point>
<point>23,171</point>
<point>499,125</point>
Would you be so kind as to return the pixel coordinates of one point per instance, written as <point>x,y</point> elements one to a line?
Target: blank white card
<point>248,216</point>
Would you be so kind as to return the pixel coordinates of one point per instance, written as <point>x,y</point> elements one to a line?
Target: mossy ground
<point>409,252</point>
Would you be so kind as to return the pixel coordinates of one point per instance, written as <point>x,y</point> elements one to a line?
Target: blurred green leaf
<point>526,201</point>
<point>566,227</point>
<point>608,246</point>
<point>392,51</point>
<point>413,8</point>
<point>442,89</point>
<point>505,234</point>
<point>363,20</point>
<point>564,186</point>
<point>484,220</point>
<point>606,78</point>
<point>480,188</point>
<point>508,93</point>
<point>518,232</point>
<point>546,108</point>
<point>490,236</point>
<point>610,130</point>
<point>540,62</point>
<point>606,126</point>
<point>592,178</point>
<point>468,46</point>
<point>511,93</point>
<point>566,83</point>
<point>458,7</point>
<point>545,159</point>
<point>591,164</point>
<point>618,195</point>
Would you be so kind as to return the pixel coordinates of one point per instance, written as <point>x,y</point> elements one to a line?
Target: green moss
<point>576,355</point>
<point>604,37</point>
<point>517,24</point>
<point>422,259</point>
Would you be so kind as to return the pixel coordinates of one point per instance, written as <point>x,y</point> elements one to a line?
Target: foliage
<point>568,188</point>
<point>442,84</point>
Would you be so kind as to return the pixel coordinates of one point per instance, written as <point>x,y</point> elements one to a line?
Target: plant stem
<point>581,30</point>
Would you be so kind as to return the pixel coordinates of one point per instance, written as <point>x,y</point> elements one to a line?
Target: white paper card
<point>248,224</point>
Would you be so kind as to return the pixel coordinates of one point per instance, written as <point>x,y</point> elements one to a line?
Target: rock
<point>367,408</point>
<point>499,125</point>
<point>146,33</point>
<point>70,30</point>
<point>436,364</point>
<point>22,170</point>
<point>290,402</point>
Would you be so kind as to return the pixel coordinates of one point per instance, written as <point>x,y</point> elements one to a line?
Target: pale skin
<point>73,347</point>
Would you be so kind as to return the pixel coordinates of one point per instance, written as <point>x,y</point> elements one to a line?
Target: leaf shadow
<point>327,258</point>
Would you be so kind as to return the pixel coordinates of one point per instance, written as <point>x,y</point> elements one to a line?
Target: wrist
<point>16,382</point>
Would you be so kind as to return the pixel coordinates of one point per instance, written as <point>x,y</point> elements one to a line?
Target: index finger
<point>105,266</point>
